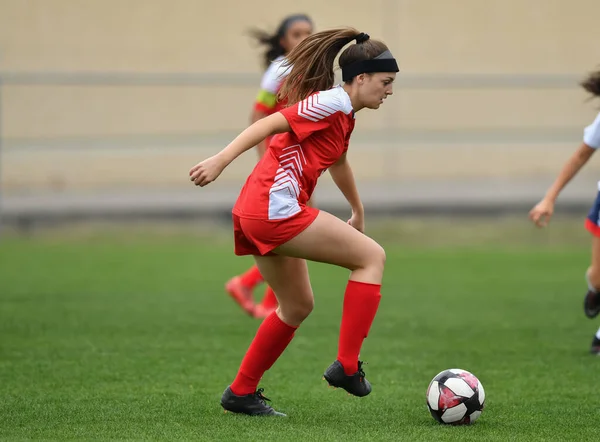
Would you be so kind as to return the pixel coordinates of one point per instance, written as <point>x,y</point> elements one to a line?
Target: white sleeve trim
<point>591,134</point>
<point>274,76</point>
<point>325,103</point>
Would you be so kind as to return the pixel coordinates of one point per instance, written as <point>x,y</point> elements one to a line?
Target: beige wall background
<point>429,37</point>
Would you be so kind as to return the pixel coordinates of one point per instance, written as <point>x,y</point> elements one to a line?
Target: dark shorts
<point>592,222</point>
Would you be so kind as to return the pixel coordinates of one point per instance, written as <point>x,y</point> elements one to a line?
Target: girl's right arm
<point>208,170</point>
<point>542,212</point>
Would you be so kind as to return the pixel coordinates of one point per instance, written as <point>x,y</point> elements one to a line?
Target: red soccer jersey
<point>285,178</point>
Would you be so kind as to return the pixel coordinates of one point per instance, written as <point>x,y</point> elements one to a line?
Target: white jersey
<point>272,80</point>
<point>274,75</point>
<point>591,134</point>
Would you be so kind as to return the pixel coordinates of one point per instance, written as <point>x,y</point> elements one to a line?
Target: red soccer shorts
<point>260,237</point>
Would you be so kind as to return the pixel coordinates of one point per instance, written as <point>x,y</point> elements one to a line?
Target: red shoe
<point>260,312</point>
<point>241,294</point>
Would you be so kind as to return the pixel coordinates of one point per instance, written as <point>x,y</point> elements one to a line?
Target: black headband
<point>382,63</point>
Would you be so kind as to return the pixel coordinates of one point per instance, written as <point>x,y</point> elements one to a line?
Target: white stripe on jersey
<point>296,148</point>
<point>325,103</point>
<point>312,110</point>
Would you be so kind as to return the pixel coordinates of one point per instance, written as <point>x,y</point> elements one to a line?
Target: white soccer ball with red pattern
<point>455,397</point>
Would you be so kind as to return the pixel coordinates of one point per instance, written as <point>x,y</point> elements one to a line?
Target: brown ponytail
<point>312,64</point>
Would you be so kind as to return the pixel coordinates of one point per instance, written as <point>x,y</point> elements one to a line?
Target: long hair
<point>312,61</point>
<point>273,41</point>
<point>592,84</point>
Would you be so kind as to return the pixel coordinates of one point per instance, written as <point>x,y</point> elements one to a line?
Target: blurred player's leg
<point>591,303</point>
<point>596,344</point>
<point>240,288</point>
<point>268,304</point>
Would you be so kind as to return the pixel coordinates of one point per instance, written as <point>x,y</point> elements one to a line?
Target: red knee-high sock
<point>361,301</point>
<point>269,301</point>
<point>252,277</point>
<point>271,339</point>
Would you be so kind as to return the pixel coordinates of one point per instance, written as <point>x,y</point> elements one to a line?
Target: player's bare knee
<point>305,307</point>
<point>380,256</point>
<point>370,263</point>
<point>298,310</point>
<point>376,258</point>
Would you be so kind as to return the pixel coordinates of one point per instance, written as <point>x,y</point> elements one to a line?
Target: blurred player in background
<point>291,31</point>
<point>542,212</point>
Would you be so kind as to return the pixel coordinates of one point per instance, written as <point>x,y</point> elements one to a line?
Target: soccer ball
<point>455,397</point>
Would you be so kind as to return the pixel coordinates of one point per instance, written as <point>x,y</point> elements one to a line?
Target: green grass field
<point>127,334</point>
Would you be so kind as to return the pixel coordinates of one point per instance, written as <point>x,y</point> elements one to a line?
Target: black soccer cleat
<point>595,350</point>
<point>355,384</point>
<point>591,304</point>
<point>254,404</point>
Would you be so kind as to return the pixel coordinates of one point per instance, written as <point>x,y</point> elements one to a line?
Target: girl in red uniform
<point>542,212</point>
<point>273,223</point>
<point>291,31</point>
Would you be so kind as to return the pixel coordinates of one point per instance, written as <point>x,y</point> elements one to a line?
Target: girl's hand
<point>542,212</point>
<point>357,221</point>
<point>207,171</point>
